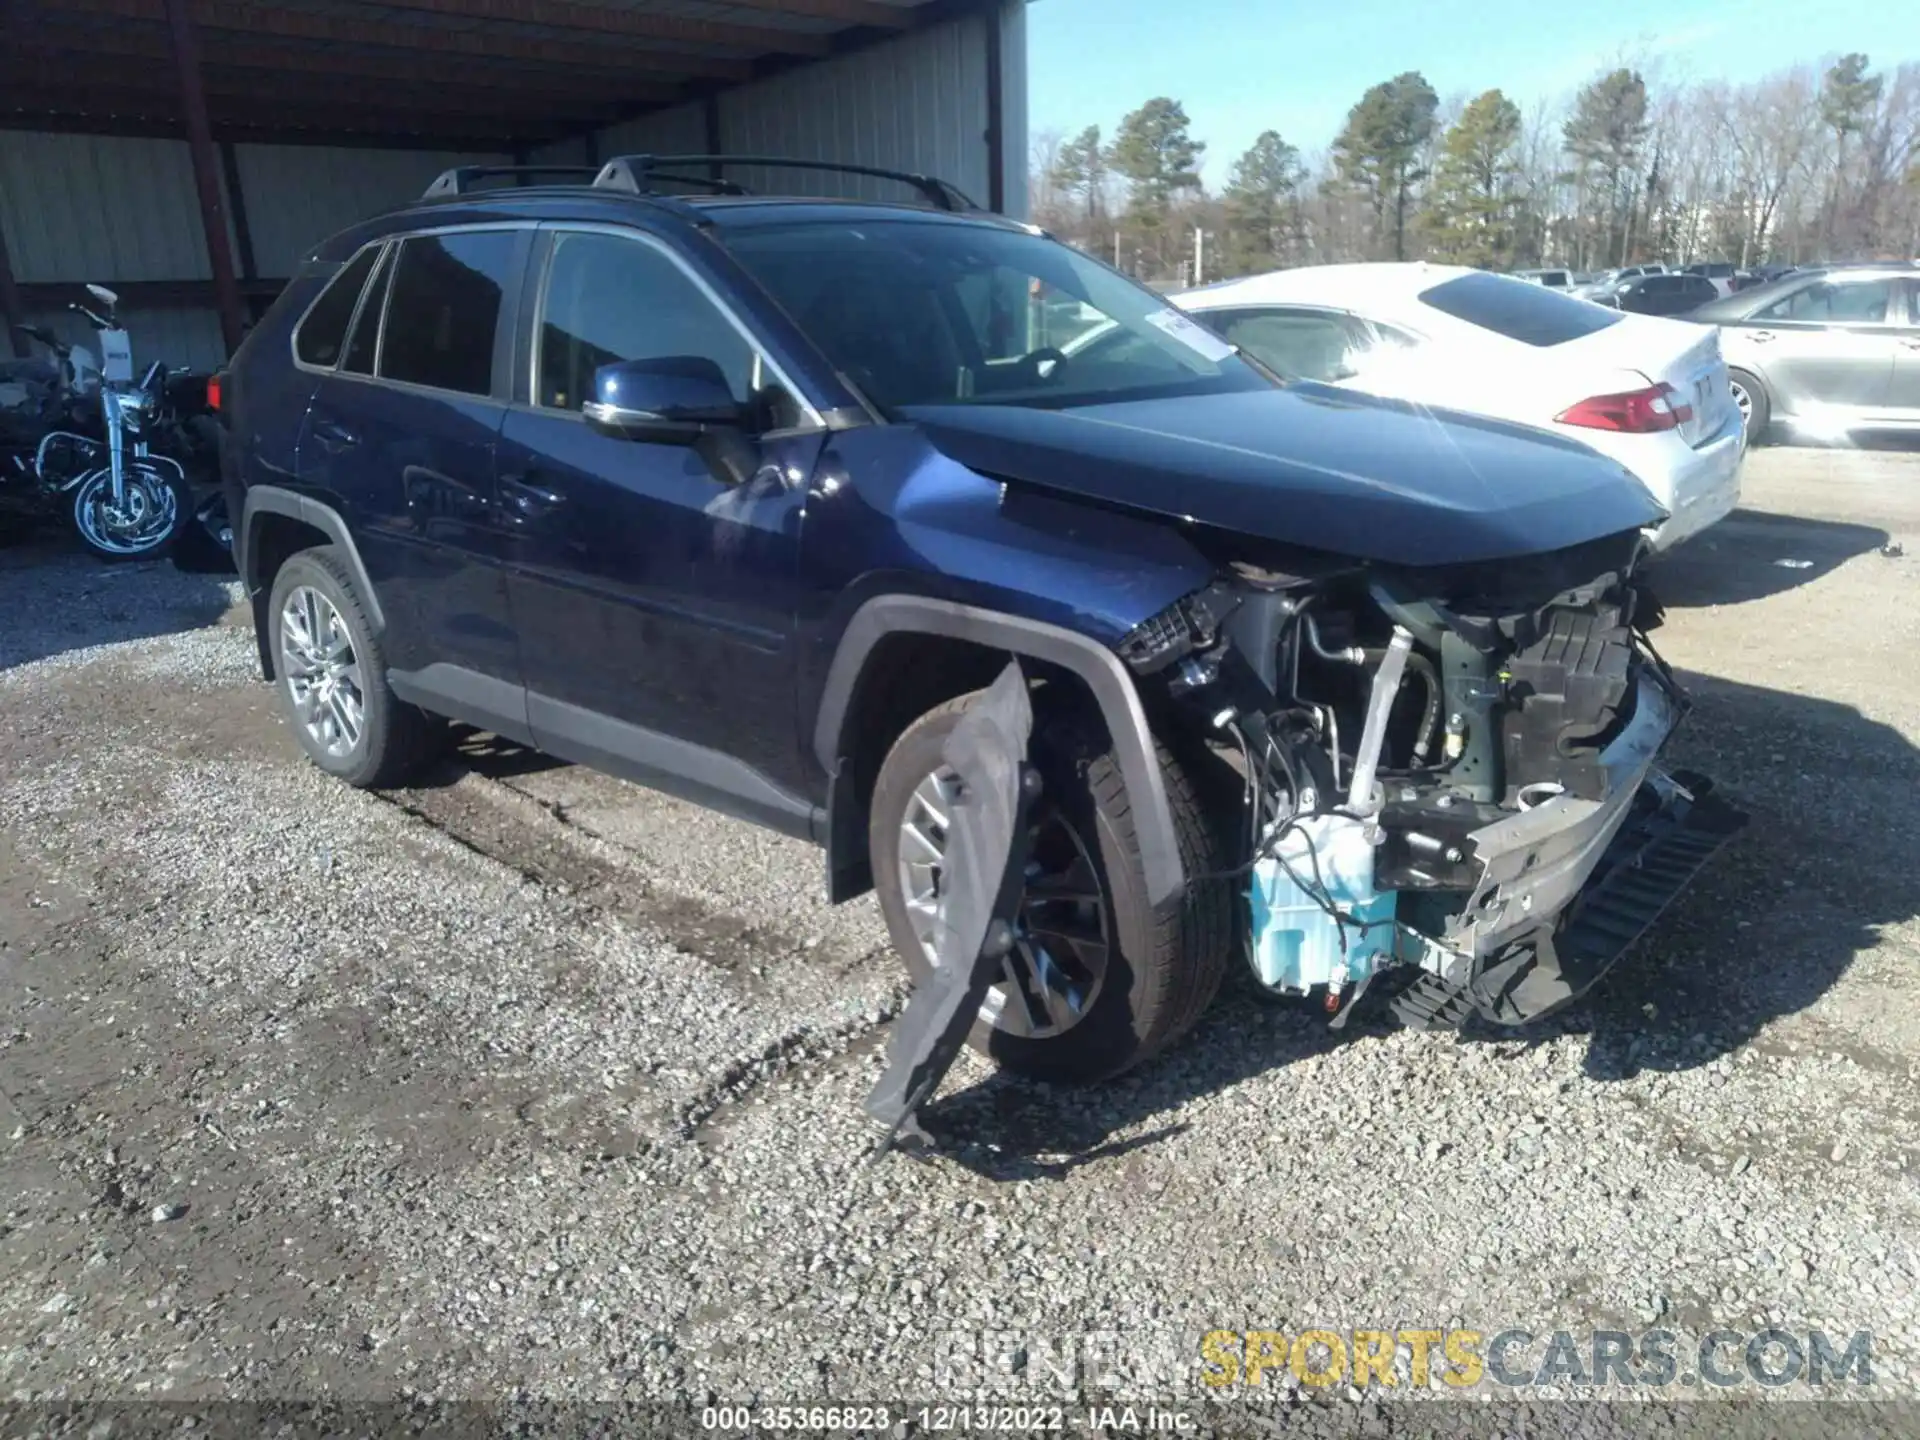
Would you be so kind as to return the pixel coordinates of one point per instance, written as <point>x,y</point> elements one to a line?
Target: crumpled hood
<point>1313,466</point>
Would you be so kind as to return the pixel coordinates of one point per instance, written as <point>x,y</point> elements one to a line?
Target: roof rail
<point>635,173</point>
<point>460,180</point>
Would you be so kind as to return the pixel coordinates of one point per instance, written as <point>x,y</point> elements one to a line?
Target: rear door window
<point>444,313</point>
<point>1531,314</point>
<point>1835,302</point>
<point>324,329</point>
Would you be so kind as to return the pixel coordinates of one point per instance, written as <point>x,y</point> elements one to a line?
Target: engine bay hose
<point>1419,665</point>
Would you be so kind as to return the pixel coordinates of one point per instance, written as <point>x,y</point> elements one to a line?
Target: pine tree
<point>1849,95</point>
<point>1379,150</point>
<point>1471,210</point>
<point>1155,152</point>
<point>1261,205</point>
<point>1081,171</point>
<point>1604,135</point>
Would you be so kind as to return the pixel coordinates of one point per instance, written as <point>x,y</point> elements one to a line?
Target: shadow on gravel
<point>1830,861</point>
<point>1753,554</point>
<point>475,752</point>
<point>1831,858</point>
<point>55,599</point>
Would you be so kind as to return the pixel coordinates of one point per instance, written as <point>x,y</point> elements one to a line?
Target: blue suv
<point>744,496</point>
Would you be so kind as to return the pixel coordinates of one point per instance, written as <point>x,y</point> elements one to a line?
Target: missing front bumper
<point>1672,829</point>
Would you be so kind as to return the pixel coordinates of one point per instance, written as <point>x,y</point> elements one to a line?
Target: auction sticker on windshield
<point>1197,338</point>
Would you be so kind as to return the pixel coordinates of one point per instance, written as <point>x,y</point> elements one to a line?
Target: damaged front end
<point>1446,773</point>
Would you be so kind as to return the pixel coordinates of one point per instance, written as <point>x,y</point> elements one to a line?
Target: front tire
<point>332,677</point>
<point>157,506</point>
<point>1102,981</point>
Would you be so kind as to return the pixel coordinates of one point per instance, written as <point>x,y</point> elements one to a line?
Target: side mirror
<point>671,400</point>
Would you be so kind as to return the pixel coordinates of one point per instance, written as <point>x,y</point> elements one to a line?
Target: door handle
<point>334,437</point>
<point>525,499</point>
<point>1759,337</point>
<point>1912,343</point>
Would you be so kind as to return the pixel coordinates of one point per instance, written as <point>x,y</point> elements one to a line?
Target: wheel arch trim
<point>1096,666</point>
<point>265,500</point>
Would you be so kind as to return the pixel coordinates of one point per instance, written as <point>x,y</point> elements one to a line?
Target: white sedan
<point>1650,393</point>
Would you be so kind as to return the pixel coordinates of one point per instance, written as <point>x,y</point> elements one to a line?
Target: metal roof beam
<point>273,62</point>
<point>237,19</point>
<point>123,86</point>
<point>839,12</point>
<point>637,24</point>
<point>51,109</point>
<point>257,131</point>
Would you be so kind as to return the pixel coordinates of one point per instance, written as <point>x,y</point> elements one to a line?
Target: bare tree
<point>1770,130</point>
<point>1043,166</point>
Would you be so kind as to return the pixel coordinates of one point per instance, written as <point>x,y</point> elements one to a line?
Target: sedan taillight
<point>1632,412</point>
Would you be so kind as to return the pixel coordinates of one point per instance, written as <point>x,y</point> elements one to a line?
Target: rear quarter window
<point>323,330</point>
<point>1531,314</point>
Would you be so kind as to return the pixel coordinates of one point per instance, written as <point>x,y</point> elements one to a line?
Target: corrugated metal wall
<point>107,208</point>
<point>917,103</point>
<point>681,130</point>
<point>297,195</point>
<point>86,207</point>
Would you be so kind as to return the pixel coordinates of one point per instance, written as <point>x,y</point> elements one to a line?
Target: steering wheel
<point>1042,365</point>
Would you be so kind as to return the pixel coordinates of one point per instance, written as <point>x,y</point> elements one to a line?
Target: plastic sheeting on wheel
<point>982,875</point>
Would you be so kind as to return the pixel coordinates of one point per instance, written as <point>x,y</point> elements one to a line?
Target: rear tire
<point>356,730</point>
<point>1163,965</point>
<point>1756,407</point>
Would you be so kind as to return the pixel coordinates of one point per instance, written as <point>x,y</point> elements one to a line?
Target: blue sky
<point>1243,66</point>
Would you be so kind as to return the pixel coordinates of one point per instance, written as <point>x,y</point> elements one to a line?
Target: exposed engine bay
<point>1448,774</point>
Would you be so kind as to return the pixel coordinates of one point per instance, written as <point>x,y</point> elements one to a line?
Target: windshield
<point>918,312</point>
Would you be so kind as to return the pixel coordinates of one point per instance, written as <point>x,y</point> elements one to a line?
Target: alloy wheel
<point>322,672</point>
<point>1062,944</point>
<point>142,522</point>
<point>1743,401</point>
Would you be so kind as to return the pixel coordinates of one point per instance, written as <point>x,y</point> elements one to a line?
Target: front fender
<point>902,538</point>
<point>1096,666</point>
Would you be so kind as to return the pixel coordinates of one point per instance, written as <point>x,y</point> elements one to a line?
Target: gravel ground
<point>530,1082</point>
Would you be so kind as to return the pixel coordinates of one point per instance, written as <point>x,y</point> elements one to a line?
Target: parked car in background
<point>1662,295</point>
<point>1599,287</point>
<point>1720,272</point>
<point>1760,275</point>
<point>1647,392</point>
<point>1552,279</point>
<point>1826,351</point>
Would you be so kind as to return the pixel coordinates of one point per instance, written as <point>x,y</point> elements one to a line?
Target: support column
<point>206,171</point>
<point>996,136</point>
<point>10,309</point>
<point>710,127</point>
<point>236,198</point>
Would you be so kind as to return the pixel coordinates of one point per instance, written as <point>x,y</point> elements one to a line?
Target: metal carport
<point>188,153</point>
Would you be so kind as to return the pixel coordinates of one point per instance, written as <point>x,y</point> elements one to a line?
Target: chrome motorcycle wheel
<point>153,507</point>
